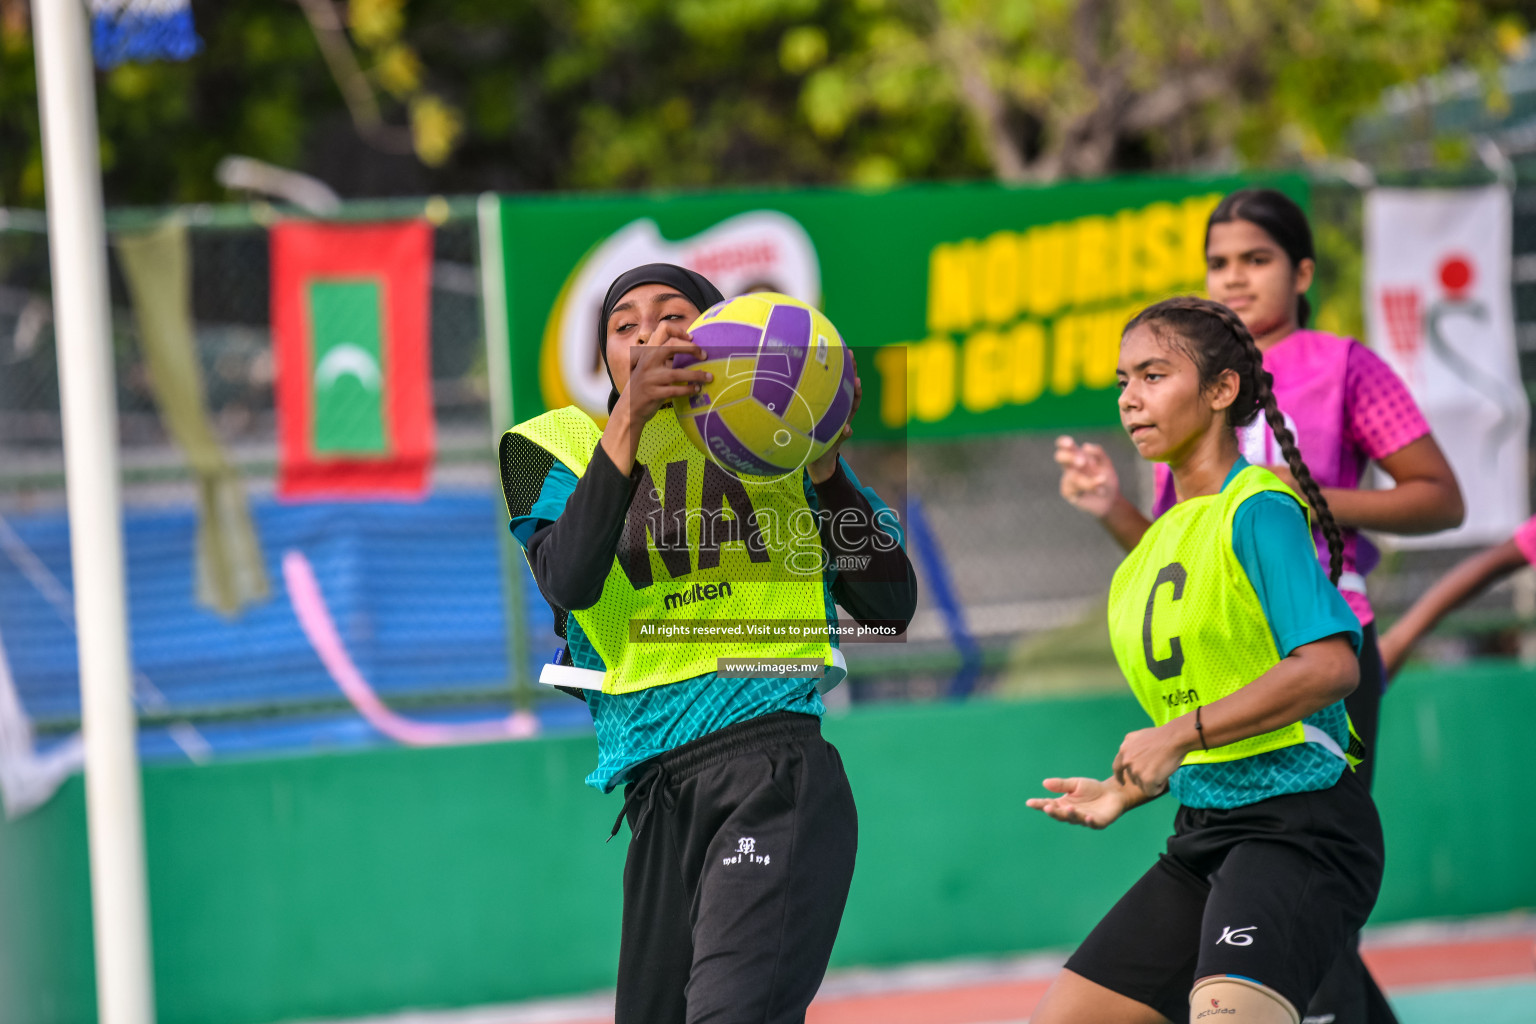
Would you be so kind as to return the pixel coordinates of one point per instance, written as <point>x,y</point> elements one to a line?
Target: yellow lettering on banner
<point>891,363</point>
<point>949,287</point>
<point>985,362</point>
<point>1046,288</point>
<point>1133,256</point>
<point>1028,362</point>
<point>1161,223</point>
<point>1088,250</point>
<point>1065,333</point>
<point>1000,278</point>
<point>1084,350</point>
<point>1196,211</point>
<point>1079,276</point>
<point>1119,253</point>
<point>931,371</point>
<point>1067,254</point>
<point>976,268</point>
<point>1101,348</point>
<point>1024,246</point>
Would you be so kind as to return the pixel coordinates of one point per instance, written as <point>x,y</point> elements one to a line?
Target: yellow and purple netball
<point>783,384</point>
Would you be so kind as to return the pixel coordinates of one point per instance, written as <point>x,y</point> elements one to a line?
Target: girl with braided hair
<point>1242,652</point>
<point>1344,405</point>
<point>1345,408</point>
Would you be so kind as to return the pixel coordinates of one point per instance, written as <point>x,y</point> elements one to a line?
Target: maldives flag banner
<point>350,313</point>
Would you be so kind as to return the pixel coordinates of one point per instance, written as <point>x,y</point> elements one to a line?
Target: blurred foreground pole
<point>78,255</point>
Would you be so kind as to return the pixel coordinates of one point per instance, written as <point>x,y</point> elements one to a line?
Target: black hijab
<point>695,286</point>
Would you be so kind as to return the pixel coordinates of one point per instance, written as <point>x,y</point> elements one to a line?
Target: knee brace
<point>1226,997</point>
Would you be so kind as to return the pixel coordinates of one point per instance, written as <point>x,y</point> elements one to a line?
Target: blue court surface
<point>1490,1002</point>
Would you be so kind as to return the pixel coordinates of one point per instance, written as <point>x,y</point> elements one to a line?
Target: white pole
<point>77,250</point>
<point>493,306</point>
<point>498,368</point>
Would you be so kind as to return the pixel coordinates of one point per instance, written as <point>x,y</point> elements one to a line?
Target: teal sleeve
<point>556,490</point>
<point>887,521</point>
<point>1274,547</point>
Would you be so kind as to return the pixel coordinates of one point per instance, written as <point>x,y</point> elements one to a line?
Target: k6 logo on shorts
<point>1237,936</point>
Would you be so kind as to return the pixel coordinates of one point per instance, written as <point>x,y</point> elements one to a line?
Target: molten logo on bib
<point>698,592</point>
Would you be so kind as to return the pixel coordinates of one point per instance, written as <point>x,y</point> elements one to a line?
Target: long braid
<point>1264,388</point>
<point>1256,393</point>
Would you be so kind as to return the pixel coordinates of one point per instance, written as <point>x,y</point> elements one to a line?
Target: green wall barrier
<point>367,882</point>
<point>1454,798</point>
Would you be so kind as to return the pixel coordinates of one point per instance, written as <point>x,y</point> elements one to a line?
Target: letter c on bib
<point>1165,668</point>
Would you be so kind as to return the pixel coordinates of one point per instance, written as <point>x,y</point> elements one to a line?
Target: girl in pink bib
<point>1347,409</point>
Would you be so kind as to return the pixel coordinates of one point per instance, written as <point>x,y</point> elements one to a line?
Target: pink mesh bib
<point>1346,407</point>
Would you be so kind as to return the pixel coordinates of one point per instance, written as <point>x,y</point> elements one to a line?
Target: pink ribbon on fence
<point>315,619</point>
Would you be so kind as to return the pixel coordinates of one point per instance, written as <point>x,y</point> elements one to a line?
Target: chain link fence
<point>428,625</point>
<point>231,304</point>
<point>251,682</point>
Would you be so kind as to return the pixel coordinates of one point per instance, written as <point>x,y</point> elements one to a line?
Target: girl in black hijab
<point>694,286</point>
<point>743,826</point>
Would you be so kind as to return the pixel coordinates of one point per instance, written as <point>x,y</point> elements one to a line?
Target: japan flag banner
<point>1439,310</point>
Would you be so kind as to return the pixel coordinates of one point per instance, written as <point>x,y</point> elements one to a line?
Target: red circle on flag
<point>1456,275</point>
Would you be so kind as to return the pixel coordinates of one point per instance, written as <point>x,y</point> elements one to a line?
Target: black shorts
<point>1273,892</point>
<point>739,866</point>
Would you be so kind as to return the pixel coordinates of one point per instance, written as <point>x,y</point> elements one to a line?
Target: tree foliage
<point>1085,87</point>
<point>381,97</point>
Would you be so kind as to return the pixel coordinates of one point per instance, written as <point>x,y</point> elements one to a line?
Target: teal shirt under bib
<point>1274,546</point>
<point>635,727</point>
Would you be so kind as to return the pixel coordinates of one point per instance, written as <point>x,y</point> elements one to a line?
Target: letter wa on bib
<point>713,542</point>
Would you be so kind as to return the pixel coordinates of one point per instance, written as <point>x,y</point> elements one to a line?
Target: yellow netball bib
<point>699,542</point>
<point>1186,624</point>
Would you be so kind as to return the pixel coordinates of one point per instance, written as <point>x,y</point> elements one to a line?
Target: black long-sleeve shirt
<point>572,555</point>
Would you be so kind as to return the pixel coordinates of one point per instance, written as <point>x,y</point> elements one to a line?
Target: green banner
<point>974,308</point>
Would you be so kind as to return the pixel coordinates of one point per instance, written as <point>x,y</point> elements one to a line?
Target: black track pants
<point>739,865</point>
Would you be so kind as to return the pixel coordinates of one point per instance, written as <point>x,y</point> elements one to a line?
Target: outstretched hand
<point>1088,478</point>
<point>1082,801</point>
